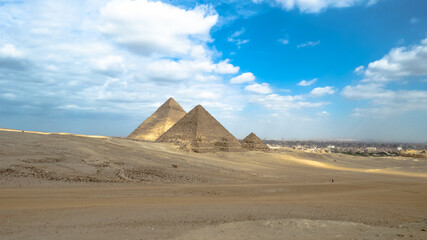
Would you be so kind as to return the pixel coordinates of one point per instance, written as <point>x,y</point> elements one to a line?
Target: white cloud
<point>323,114</point>
<point>399,62</point>
<point>8,50</point>
<point>243,78</point>
<point>157,28</point>
<point>283,41</point>
<point>366,91</point>
<point>235,38</point>
<point>309,44</point>
<point>315,6</point>
<point>178,70</point>
<point>307,83</point>
<point>109,65</point>
<point>225,67</point>
<point>111,57</point>
<point>360,70</point>
<point>75,107</point>
<point>322,91</point>
<point>263,88</point>
<point>280,103</point>
<point>11,58</point>
<point>399,65</point>
<point>236,34</point>
<point>170,70</point>
<point>388,101</point>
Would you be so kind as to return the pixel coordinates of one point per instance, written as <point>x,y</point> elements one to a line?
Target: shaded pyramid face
<point>158,123</point>
<point>200,132</point>
<point>252,142</point>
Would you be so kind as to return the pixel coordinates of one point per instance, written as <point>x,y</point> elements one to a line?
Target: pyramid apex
<point>199,108</point>
<point>171,100</point>
<point>253,142</point>
<point>171,103</point>
<point>159,122</point>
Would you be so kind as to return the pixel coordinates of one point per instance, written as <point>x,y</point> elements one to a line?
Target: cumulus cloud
<point>366,91</point>
<point>399,65</point>
<point>308,44</point>
<point>225,67</point>
<point>389,101</point>
<point>263,88</point>
<point>305,83</point>
<point>157,28</point>
<point>284,103</point>
<point>243,78</point>
<point>322,91</point>
<point>8,50</point>
<point>177,70</point>
<point>399,62</point>
<point>315,6</point>
<point>116,57</point>
<point>109,65</point>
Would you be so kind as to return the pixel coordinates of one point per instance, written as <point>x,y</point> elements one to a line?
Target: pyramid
<point>158,123</point>
<point>252,142</point>
<point>200,132</point>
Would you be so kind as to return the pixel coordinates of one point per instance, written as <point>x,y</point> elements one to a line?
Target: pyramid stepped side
<point>182,132</point>
<point>254,143</point>
<point>199,131</point>
<point>159,122</point>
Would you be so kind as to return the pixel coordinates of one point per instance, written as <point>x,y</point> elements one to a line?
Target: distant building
<point>370,149</point>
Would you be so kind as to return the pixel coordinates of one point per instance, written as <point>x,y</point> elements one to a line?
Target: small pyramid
<point>253,143</point>
<point>158,123</point>
<point>199,131</point>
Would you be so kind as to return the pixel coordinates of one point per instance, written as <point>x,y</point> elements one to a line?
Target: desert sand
<point>65,186</point>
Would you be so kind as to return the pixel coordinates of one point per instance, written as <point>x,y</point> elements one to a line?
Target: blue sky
<point>292,69</point>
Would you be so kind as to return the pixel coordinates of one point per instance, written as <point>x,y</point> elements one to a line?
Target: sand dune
<point>390,171</point>
<point>65,186</point>
<point>54,133</point>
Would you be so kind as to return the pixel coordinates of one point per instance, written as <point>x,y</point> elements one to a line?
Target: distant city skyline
<point>292,69</point>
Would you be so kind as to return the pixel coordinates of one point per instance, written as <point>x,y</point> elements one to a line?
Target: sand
<point>74,187</point>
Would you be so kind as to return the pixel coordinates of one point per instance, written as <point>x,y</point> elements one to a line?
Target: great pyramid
<point>200,132</point>
<point>158,123</point>
<point>252,142</point>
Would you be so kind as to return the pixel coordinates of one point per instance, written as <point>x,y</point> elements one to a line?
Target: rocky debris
<point>155,175</point>
<point>412,153</point>
<point>138,175</point>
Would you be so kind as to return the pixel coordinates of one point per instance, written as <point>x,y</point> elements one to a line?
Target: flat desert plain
<point>64,186</point>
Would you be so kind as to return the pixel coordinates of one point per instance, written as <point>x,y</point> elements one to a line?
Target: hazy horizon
<point>349,69</point>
